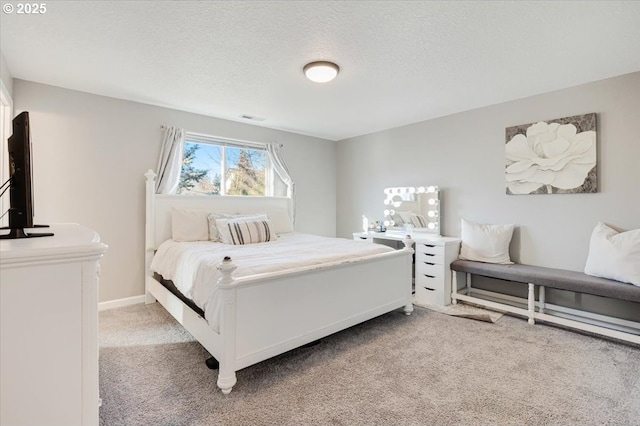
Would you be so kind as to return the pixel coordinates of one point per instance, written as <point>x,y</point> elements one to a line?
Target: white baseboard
<point>119,303</point>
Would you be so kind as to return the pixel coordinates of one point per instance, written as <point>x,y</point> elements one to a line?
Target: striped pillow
<point>397,220</point>
<point>418,221</point>
<point>214,235</point>
<point>240,232</point>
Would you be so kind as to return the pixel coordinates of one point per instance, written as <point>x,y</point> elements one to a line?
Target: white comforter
<point>192,265</point>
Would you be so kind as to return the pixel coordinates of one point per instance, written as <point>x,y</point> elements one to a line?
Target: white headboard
<point>159,206</point>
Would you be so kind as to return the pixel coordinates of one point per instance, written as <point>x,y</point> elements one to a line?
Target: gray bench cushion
<point>553,278</point>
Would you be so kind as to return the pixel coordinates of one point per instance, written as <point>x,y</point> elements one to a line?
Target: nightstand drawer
<point>362,236</point>
<point>429,270</point>
<point>429,258</point>
<point>431,249</point>
<point>428,294</point>
<point>364,239</point>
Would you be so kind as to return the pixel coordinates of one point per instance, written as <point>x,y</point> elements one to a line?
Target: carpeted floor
<point>424,369</point>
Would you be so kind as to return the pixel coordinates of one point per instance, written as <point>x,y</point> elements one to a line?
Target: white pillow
<point>614,255</point>
<point>214,235</point>
<point>241,231</point>
<point>281,221</point>
<point>486,243</point>
<point>189,224</point>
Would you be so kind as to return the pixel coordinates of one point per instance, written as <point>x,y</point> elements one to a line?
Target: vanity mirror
<point>412,208</point>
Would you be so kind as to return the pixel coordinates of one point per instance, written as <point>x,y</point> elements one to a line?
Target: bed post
<point>226,372</point>
<point>408,243</point>
<point>149,240</point>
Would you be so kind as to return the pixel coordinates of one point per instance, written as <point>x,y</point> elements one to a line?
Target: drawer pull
<point>428,254</point>
<point>363,238</point>
<point>429,263</point>
<point>430,289</point>
<point>429,276</point>
<point>429,245</point>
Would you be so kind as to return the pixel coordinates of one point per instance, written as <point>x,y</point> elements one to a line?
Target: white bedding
<point>192,265</point>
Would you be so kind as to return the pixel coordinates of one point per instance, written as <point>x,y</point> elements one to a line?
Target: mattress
<point>191,266</point>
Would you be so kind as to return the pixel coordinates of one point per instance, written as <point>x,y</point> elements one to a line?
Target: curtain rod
<point>222,139</point>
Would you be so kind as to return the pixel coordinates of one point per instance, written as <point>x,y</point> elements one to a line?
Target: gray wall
<point>90,153</point>
<point>6,114</point>
<point>5,75</point>
<point>464,155</point>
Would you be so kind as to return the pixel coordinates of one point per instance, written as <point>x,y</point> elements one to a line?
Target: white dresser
<point>49,328</point>
<point>433,257</point>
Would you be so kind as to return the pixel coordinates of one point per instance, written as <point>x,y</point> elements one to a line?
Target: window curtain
<point>282,171</point>
<point>170,162</point>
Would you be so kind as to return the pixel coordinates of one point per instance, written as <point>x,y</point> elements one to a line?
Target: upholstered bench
<point>546,277</point>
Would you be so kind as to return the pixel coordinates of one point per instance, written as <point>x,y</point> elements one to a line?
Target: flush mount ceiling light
<point>321,71</point>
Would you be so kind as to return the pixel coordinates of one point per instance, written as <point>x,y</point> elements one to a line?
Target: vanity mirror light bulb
<point>432,201</point>
<point>432,213</point>
<point>432,189</point>
<point>432,225</point>
<point>387,201</point>
<point>387,223</point>
<point>412,190</point>
<point>387,191</point>
<point>421,190</point>
<point>387,212</point>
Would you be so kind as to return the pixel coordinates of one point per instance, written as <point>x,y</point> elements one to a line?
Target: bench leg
<point>468,284</point>
<point>541,299</point>
<point>454,287</point>
<point>531,303</point>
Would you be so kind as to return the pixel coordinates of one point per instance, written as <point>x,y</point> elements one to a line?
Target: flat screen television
<point>20,182</point>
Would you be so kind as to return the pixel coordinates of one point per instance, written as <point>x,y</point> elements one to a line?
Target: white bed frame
<point>268,314</point>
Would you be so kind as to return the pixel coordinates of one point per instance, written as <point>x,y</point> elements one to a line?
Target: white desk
<point>433,257</point>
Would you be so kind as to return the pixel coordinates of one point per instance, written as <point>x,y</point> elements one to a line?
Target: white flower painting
<point>558,156</point>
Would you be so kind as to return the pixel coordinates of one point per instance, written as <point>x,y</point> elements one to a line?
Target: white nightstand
<point>432,270</point>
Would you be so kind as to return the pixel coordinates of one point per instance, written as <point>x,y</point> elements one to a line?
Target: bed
<point>262,311</point>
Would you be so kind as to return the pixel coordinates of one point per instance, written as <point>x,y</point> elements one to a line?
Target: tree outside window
<point>210,169</point>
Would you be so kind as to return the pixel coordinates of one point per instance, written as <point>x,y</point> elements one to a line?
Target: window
<point>213,166</point>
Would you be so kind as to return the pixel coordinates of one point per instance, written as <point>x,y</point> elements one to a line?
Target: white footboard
<point>264,316</point>
<point>285,312</point>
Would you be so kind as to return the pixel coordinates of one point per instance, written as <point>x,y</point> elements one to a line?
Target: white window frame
<point>235,143</point>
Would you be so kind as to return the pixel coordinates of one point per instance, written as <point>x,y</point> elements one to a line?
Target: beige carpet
<point>423,369</point>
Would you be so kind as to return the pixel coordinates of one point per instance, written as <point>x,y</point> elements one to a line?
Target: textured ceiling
<point>401,62</point>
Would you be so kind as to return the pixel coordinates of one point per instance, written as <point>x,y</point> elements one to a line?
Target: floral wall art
<point>552,157</point>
